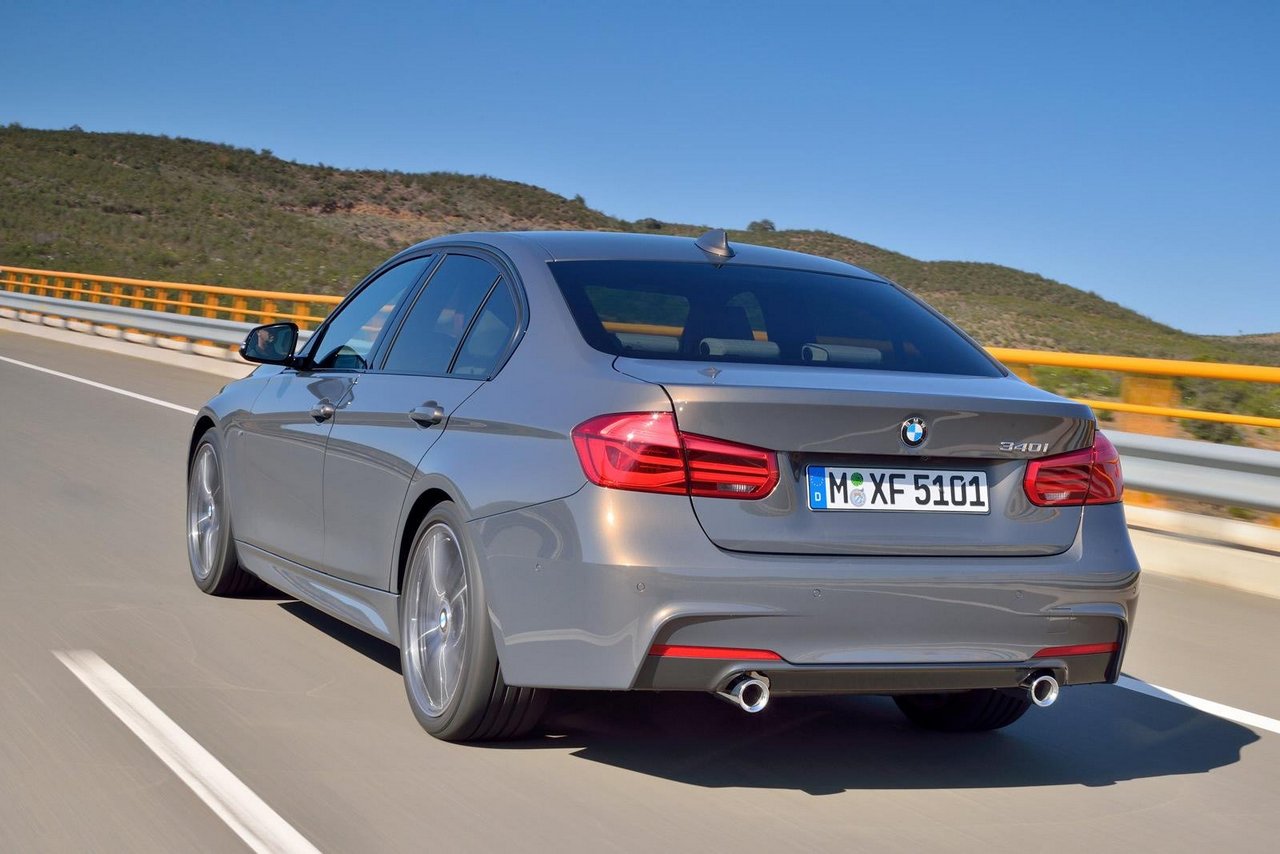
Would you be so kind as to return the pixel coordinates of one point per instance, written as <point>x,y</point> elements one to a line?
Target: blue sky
<point>1131,149</point>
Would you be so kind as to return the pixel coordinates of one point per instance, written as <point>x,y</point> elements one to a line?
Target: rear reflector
<point>644,451</point>
<point>1088,476</point>
<point>1078,649</point>
<point>725,652</point>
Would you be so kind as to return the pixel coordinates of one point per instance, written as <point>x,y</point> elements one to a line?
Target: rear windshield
<point>760,315</point>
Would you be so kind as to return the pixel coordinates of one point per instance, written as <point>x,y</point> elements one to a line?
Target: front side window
<point>435,324</point>
<point>348,340</point>
<point>760,315</point>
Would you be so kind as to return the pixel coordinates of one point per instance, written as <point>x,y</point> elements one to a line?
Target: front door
<point>279,452</point>
<point>278,455</point>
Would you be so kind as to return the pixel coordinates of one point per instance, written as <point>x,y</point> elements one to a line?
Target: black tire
<point>444,623</point>
<point>211,549</point>
<point>966,711</point>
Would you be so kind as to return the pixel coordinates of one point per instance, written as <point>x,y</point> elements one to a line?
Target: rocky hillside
<point>183,210</point>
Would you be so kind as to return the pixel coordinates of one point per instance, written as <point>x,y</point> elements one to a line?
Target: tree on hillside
<point>762,225</point>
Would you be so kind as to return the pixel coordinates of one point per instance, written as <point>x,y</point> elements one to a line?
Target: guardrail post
<point>1147,391</point>
<point>238,307</point>
<point>1022,372</point>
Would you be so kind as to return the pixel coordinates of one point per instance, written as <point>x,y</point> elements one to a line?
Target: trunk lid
<point>840,422</point>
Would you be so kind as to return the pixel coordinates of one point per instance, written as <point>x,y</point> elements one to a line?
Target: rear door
<point>447,345</point>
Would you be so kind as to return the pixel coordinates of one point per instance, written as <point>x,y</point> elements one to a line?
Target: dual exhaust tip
<point>750,691</point>
<point>1043,690</point>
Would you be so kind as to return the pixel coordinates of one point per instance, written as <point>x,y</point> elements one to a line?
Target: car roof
<point>615,245</point>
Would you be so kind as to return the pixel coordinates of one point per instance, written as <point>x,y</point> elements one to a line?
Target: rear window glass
<point>760,315</point>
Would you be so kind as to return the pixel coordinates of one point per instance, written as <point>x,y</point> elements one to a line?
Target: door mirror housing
<point>272,344</point>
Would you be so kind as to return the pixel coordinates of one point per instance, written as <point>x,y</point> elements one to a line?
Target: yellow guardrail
<point>306,310</point>
<point>1136,365</point>
<point>1154,397</point>
<point>1129,365</point>
<point>1158,397</point>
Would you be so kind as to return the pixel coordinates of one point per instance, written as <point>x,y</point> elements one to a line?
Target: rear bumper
<point>683,674</point>
<point>580,589</point>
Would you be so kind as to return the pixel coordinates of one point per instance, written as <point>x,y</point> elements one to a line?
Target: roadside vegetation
<point>155,207</point>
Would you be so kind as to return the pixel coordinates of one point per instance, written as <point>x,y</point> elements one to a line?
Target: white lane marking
<point>261,827</point>
<point>166,404</point>
<point>1230,713</point>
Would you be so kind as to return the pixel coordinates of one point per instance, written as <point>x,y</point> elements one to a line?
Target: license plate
<point>840,488</point>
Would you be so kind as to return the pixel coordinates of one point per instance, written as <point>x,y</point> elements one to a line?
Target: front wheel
<point>210,547</point>
<point>964,711</point>
<point>447,653</point>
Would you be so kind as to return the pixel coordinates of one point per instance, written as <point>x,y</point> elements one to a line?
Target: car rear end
<point>845,494</point>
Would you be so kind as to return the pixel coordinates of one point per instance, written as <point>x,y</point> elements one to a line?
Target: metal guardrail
<point>209,301</point>
<point>1158,397</point>
<point>105,319</point>
<point>194,328</point>
<point>1128,365</point>
<point>1203,471</point>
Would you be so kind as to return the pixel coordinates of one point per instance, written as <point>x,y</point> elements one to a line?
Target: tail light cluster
<point>644,451</point>
<point>1088,476</point>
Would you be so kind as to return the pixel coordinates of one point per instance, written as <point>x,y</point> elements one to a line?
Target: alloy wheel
<point>437,618</point>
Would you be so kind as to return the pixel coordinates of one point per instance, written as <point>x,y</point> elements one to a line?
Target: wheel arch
<point>203,425</point>
<point>422,505</point>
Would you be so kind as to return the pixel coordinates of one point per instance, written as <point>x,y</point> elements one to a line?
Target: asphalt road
<point>311,716</point>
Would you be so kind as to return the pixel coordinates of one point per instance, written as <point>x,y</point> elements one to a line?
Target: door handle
<point>323,410</point>
<point>428,414</point>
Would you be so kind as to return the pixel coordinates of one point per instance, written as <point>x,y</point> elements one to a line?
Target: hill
<point>184,210</point>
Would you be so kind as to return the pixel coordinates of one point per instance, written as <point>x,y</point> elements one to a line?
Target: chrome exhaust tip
<point>1043,690</point>
<point>749,692</point>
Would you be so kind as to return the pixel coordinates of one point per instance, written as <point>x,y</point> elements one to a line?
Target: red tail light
<point>667,651</point>
<point>1088,476</point>
<point>1075,649</point>
<point>644,451</point>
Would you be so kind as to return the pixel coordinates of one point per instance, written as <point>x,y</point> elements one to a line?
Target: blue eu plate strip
<point>817,488</point>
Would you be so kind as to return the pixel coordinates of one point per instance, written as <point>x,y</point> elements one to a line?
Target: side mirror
<point>271,344</point>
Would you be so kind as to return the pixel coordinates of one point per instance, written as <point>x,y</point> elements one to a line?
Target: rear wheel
<point>966,711</point>
<point>447,653</point>
<point>210,548</point>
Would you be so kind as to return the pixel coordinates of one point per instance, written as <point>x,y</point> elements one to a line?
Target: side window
<point>489,335</point>
<point>350,336</point>
<point>431,330</point>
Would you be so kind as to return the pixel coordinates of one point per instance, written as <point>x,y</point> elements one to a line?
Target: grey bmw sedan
<point>540,461</point>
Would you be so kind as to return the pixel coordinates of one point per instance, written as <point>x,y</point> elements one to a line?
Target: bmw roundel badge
<point>913,432</point>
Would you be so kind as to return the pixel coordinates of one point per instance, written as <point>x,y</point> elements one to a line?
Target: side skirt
<point>374,611</point>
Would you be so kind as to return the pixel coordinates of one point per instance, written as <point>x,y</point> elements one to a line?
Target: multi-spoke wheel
<point>447,653</point>
<point>437,621</point>
<point>209,546</point>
